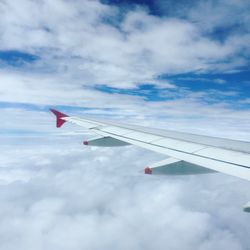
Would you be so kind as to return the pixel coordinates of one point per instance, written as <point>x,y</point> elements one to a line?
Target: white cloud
<point>76,198</point>
<point>77,40</point>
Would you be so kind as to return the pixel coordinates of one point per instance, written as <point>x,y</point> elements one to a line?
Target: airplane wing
<point>189,153</point>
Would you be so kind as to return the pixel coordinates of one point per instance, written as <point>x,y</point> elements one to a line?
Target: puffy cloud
<point>84,43</point>
<point>68,197</point>
<point>91,43</point>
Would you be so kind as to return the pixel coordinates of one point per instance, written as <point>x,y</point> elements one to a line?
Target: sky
<point>181,65</point>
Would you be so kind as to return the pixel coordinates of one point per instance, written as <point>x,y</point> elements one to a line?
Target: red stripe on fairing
<point>86,143</point>
<point>148,170</point>
<point>59,115</point>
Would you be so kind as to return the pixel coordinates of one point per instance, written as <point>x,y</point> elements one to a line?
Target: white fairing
<point>105,142</point>
<point>246,207</point>
<point>190,154</point>
<point>172,166</point>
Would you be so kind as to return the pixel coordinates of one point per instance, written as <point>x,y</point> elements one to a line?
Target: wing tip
<point>59,115</point>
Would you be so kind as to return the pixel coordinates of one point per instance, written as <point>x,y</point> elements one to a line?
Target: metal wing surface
<point>190,152</point>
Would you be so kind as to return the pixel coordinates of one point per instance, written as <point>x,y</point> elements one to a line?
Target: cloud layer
<point>62,196</point>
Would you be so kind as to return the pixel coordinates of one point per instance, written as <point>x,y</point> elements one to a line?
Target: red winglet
<point>59,115</point>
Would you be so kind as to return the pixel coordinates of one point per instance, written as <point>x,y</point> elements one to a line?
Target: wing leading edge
<point>192,154</point>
